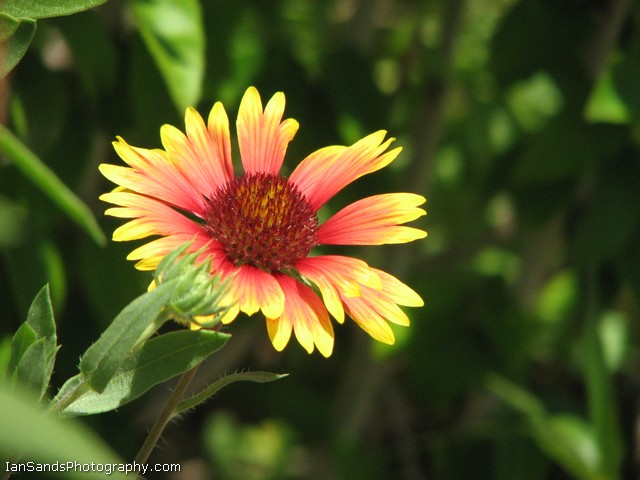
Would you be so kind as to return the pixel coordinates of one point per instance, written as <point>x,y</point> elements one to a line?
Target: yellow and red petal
<point>262,137</point>
<point>387,308</point>
<point>337,276</point>
<point>397,291</point>
<point>374,221</point>
<point>252,289</point>
<point>204,160</point>
<point>152,174</point>
<point>218,127</point>
<point>305,314</point>
<point>324,173</point>
<point>369,319</point>
<point>151,217</point>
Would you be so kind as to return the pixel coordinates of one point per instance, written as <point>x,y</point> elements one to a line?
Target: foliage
<point>519,121</point>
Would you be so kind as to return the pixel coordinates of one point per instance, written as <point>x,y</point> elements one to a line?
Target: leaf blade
<point>46,8</point>
<point>134,323</point>
<point>157,360</point>
<point>16,38</point>
<point>257,377</point>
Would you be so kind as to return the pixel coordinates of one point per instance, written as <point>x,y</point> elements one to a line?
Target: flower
<point>258,228</point>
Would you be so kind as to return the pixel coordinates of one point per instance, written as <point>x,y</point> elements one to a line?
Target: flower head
<point>258,229</point>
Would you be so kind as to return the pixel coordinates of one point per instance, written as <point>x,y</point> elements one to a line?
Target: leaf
<point>565,438</point>
<point>571,442</point>
<point>173,33</point>
<point>40,316</point>
<point>21,341</point>
<point>35,367</point>
<point>15,35</point>
<point>42,438</point>
<point>46,8</point>
<point>157,360</point>
<point>136,322</point>
<point>34,345</point>
<point>211,390</point>
<point>33,168</point>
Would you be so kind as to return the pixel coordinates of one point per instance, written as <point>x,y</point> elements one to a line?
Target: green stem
<point>165,416</point>
<point>68,399</point>
<point>599,383</point>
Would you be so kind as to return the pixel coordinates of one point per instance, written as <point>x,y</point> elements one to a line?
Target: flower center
<point>263,220</point>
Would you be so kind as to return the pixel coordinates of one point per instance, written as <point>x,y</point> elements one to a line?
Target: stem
<point>165,416</point>
<point>603,411</point>
<point>67,400</point>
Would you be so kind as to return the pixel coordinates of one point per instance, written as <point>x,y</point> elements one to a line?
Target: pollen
<point>263,220</point>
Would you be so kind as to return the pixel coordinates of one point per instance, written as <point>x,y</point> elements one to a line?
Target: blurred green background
<point>520,122</point>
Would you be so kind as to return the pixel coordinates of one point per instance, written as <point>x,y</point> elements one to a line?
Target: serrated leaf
<point>211,390</point>
<point>135,323</point>
<point>33,348</point>
<point>157,360</point>
<point>25,428</point>
<point>16,35</point>
<point>36,366</point>
<point>22,339</point>
<point>35,169</point>
<point>174,35</point>
<point>46,8</point>
<point>40,315</point>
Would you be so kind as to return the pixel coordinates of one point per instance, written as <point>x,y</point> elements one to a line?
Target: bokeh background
<point>520,123</point>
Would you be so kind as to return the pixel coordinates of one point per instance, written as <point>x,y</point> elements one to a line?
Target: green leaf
<point>571,442</point>
<point>15,35</point>
<point>34,345</point>
<point>42,438</point>
<point>40,316</point>
<point>173,32</point>
<point>35,367</point>
<point>46,8</point>
<point>211,390</point>
<point>605,103</point>
<point>157,360</point>
<point>565,438</point>
<point>134,324</point>
<point>32,167</point>
<point>24,337</point>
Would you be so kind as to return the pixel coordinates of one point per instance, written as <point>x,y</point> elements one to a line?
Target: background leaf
<point>172,31</point>
<point>31,166</point>
<point>45,439</point>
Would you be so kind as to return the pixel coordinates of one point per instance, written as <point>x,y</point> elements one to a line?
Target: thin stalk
<point>165,416</point>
